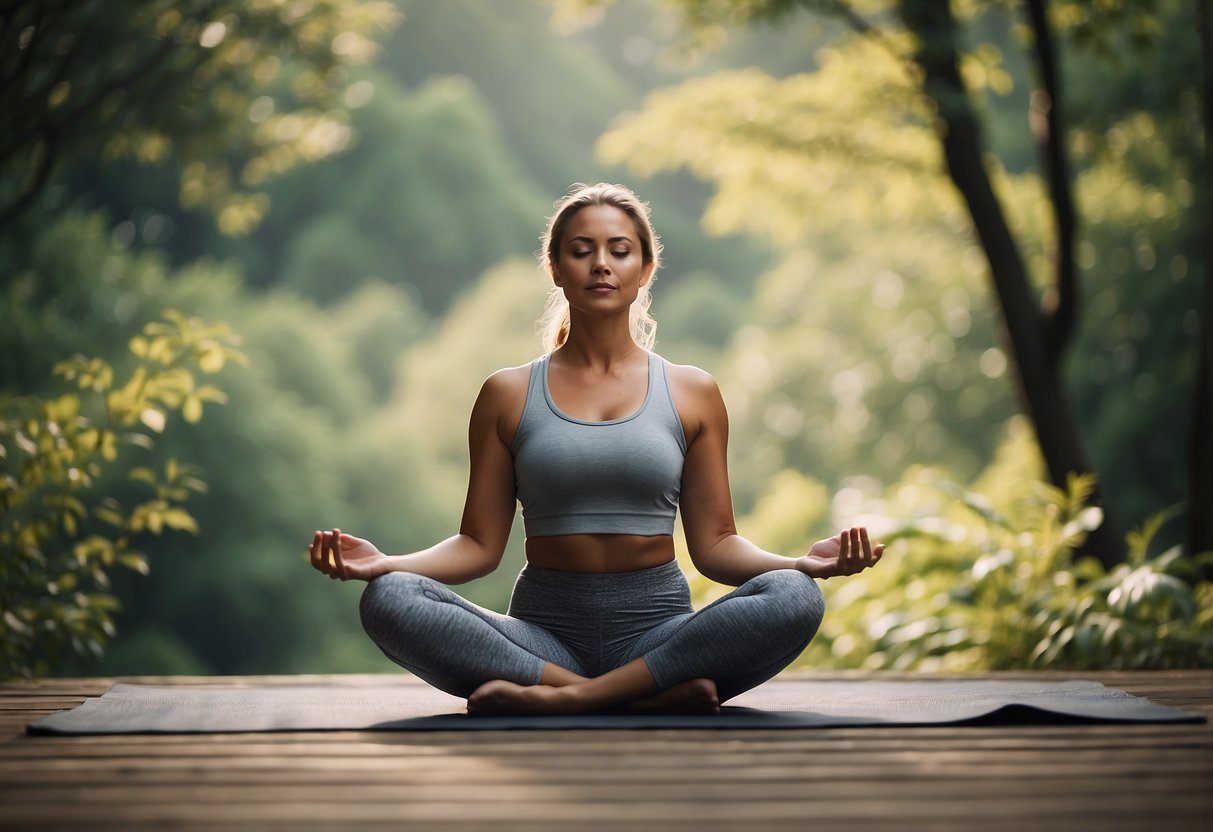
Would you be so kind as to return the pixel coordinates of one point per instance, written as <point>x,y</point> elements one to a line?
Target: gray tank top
<point>622,476</point>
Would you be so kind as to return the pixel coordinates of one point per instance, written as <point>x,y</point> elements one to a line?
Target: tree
<point>201,80</point>
<point>930,78</point>
<point>1200,462</point>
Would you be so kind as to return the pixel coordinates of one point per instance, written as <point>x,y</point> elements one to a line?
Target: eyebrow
<point>611,240</point>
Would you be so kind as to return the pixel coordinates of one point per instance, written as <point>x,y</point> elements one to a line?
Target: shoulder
<point>507,382</point>
<point>690,382</point>
<point>697,398</point>
<point>501,400</point>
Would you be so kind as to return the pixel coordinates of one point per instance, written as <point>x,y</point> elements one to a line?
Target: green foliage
<point>851,330</point>
<point>774,148</point>
<point>237,92</point>
<point>62,529</point>
<point>431,199</point>
<point>990,581</point>
<point>839,161</point>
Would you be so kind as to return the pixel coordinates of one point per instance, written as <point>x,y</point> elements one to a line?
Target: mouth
<point>601,287</point>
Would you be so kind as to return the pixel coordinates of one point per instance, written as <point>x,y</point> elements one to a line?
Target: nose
<point>600,263</point>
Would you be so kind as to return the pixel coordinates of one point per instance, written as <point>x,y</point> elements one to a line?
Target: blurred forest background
<point>356,189</point>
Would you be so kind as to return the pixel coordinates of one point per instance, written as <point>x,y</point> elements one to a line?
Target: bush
<point>60,463</point>
<point>993,581</point>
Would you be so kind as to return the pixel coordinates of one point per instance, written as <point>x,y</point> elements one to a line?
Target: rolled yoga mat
<point>408,705</point>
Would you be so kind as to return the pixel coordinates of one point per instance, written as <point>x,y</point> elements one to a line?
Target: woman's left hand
<point>845,553</point>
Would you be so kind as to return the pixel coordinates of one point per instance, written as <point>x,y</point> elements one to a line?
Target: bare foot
<point>694,696</point>
<point>502,697</point>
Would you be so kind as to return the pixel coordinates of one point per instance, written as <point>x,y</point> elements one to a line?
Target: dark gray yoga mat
<point>410,706</point>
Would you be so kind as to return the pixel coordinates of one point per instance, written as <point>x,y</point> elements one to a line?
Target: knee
<point>386,598</point>
<point>798,598</point>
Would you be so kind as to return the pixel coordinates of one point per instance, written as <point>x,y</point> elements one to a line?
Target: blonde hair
<point>555,321</point>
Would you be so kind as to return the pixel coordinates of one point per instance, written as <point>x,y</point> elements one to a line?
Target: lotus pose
<point>601,440</point>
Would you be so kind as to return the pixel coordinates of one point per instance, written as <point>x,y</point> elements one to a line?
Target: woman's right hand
<point>345,557</point>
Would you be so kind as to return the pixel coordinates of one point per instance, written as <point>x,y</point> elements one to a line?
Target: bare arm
<point>716,548</point>
<point>488,511</point>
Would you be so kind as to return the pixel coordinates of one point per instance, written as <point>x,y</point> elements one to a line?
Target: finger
<point>867,546</point>
<point>314,551</point>
<point>878,552</point>
<point>847,552</point>
<point>856,551</point>
<point>322,555</point>
<point>340,562</point>
<point>326,554</point>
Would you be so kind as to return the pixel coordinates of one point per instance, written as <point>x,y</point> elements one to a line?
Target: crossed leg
<point>692,662</point>
<point>502,664</point>
<point>456,645</point>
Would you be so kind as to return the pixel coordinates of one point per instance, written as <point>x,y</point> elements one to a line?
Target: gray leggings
<point>590,623</point>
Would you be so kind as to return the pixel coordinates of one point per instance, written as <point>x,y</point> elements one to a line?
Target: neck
<point>599,342</point>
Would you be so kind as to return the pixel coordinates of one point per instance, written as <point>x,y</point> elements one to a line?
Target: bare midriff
<point>599,552</point>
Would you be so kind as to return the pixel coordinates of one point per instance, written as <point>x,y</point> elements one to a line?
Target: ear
<point>555,273</point>
<point>647,274</point>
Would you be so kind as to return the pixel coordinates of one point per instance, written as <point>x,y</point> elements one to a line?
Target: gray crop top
<point>621,476</point>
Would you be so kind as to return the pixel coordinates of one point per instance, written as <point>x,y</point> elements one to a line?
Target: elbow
<point>484,560</point>
<point>707,556</point>
<point>488,567</point>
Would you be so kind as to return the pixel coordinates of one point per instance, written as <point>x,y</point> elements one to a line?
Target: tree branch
<point>49,132</point>
<point>1039,378</point>
<point>1060,304</point>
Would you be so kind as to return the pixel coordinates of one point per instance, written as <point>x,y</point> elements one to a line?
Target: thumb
<point>348,541</point>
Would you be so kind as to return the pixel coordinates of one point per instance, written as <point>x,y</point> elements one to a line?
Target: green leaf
<point>135,562</point>
<point>153,418</point>
<point>143,475</point>
<point>181,519</point>
<point>977,503</point>
<point>211,393</point>
<point>15,624</point>
<point>140,440</point>
<point>211,359</point>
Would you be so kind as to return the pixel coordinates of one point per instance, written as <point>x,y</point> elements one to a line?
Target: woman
<point>600,440</point>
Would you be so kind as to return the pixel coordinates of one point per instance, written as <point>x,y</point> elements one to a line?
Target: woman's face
<point>600,263</point>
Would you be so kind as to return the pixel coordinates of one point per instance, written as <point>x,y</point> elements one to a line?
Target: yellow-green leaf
<point>153,418</point>
<point>211,359</point>
<point>146,475</point>
<point>211,393</point>
<point>176,518</point>
<point>192,409</point>
<point>135,562</point>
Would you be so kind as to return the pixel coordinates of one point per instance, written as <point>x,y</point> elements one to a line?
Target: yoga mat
<point>409,706</point>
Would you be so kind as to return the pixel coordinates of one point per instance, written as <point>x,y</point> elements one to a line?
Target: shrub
<point>62,527</point>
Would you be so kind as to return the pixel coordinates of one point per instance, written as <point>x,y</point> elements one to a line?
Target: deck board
<point>1073,777</point>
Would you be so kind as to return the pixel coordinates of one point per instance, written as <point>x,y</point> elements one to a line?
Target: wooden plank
<point>1156,778</point>
<point>505,787</point>
<point>620,769</point>
<point>739,750</point>
<point>623,811</point>
<point>703,763</point>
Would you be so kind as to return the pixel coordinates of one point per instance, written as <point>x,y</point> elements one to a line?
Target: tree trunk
<point>1200,472</point>
<point>1038,366</point>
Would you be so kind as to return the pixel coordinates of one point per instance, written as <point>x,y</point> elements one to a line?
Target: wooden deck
<point>1077,777</point>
